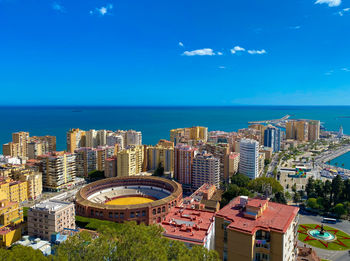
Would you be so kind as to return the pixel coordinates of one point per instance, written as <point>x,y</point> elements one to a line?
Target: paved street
<point>326,254</point>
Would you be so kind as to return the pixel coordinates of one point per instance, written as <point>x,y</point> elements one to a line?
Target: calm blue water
<point>343,159</point>
<point>154,123</point>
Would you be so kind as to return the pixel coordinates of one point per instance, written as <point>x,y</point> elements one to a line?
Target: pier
<point>276,121</point>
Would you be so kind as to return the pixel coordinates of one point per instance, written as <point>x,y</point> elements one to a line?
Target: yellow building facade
<point>160,155</point>
<point>130,161</point>
<point>11,216</point>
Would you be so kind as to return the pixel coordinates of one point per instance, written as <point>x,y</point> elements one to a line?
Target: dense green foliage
<point>130,242</point>
<point>159,172</point>
<point>242,185</point>
<point>21,253</point>
<point>95,175</point>
<point>329,196</point>
<point>126,242</point>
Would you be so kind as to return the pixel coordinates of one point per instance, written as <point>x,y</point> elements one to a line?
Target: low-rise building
<point>49,217</point>
<point>11,217</point>
<point>190,226</point>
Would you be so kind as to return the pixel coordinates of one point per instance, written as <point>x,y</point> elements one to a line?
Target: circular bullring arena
<point>142,199</point>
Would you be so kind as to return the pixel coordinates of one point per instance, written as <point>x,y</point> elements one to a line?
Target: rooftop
<point>51,205</point>
<point>188,225</point>
<point>275,217</point>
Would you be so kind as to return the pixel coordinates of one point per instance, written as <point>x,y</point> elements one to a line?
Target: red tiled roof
<point>188,225</point>
<point>276,217</point>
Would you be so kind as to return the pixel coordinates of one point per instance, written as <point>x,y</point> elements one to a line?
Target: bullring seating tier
<point>115,192</point>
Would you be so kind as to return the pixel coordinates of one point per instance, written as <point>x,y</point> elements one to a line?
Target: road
<point>327,254</point>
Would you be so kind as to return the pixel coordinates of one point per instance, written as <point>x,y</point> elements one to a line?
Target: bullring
<point>96,200</point>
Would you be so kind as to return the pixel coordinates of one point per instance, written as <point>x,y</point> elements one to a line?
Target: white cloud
<point>345,69</point>
<point>342,12</point>
<point>297,27</point>
<point>200,52</point>
<point>219,53</point>
<point>181,44</point>
<point>222,67</point>
<point>102,10</point>
<point>329,72</point>
<point>237,49</point>
<point>57,7</point>
<point>262,51</point>
<point>330,3</point>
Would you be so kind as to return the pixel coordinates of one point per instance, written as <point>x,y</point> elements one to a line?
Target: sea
<point>155,122</point>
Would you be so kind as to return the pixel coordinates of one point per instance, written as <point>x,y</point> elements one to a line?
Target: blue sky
<point>159,52</point>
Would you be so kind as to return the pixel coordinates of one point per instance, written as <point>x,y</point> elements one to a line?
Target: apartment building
<point>50,217</point>
<point>160,154</point>
<point>130,161</point>
<point>249,158</point>
<point>11,217</point>
<point>58,169</point>
<point>256,229</point>
<point>183,163</point>
<point>75,139</point>
<point>205,169</point>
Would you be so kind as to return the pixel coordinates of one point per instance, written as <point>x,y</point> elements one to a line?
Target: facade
<point>86,161</point>
<point>256,229</point>
<point>314,130</point>
<point>190,226</point>
<point>11,217</point>
<point>50,217</point>
<point>272,138</point>
<point>196,133</point>
<point>21,138</point>
<point>160,155</point>
<point>302,130</point>
<point>167,195</point>
<point>249,158</point>
<point>231,165</point>
<point>58,169</point>
<point>220,151</point>
<point>183,158</point>
<point>111,167</point>
<point>133,138</point>
<point>130,161</point>
<point>205,169</point>
<point>261,128</point>
<point>75,139</point>
<point>16,191</point>
<point>114,139</point>
<point>33,179</point>
<point>11,149</point>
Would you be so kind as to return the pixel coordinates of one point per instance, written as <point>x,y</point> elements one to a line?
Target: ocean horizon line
<point>165,106</point>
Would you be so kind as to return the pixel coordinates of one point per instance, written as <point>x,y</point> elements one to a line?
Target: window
<point>158,211</point>
<point>143,213</point>
<point>110,214</point>
<point>132,214</point>
<point>116,215</point>
<point>154,211</point>
<point>163,209</point>
<point>121,215</point>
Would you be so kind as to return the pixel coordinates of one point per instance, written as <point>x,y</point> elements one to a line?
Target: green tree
<point>240,180</point>
<point>337,189</point>
<point>261,184</point>
<point>312,203</point>
<point>129,242</point>
<point>159,171</point>
<point>21,253</point>
<point>296,197</point>
<point>279,198</point>
<point>340,210</point>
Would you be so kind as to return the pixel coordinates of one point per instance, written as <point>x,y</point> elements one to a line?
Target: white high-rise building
<point>133,138</point>
<point>113,139</point>
<point>249,158</point>
<point>91,138</point>
<point>205,169</point>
